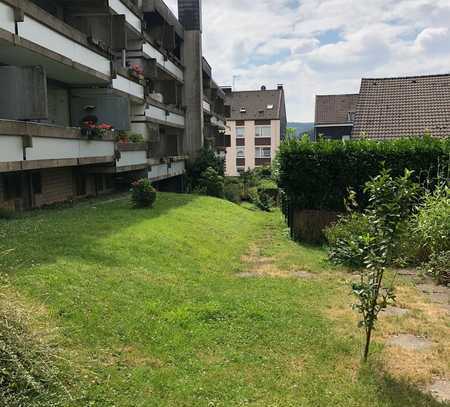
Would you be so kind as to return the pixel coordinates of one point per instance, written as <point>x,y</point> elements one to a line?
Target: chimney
<point>263,87</point>
<point>280,86</point>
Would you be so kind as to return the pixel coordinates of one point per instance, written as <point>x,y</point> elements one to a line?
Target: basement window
<point>12,184</point>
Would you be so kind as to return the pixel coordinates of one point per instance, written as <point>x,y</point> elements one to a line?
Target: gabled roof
<point>258,104</point>
<point>403,107</point>
<point>335,109</point>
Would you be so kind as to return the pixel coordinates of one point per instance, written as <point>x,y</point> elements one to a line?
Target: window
<point>12,184</point>
<point>263,152</point>
<point>36,182</point>
<point>263,131</point>
<point>243,110</point>
<point>240,152</point>
<point>240,132</point>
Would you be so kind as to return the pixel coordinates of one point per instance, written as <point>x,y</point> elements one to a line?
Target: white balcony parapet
<point>60,149</point>
<point>151,52</point>
<point>163,116</point>
<point>26,145</point>
<point>11,149</point>
<point>164,171</point>
<point>7,21</point>
<point>132,159</point>
<point>118,7</point>
<point>125,85</point>
<point>38,33</point>
<point>217,122</point>
<point>206,106</point>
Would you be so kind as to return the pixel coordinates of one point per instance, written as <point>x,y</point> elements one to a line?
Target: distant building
<point>388,108</point>
<point>256,123</point>
<point>334,116</point>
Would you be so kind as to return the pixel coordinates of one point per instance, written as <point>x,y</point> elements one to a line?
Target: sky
<point>322,46</point>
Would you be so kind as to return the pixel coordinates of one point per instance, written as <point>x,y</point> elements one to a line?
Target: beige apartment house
<point>256,122</point>
<point>78,76</point>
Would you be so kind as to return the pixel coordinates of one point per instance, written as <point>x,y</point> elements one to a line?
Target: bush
<point>438,267</point>
<point>206,159</point>
<point>233,190</point>
<point>143,195</point>
<point>345,240</point>
<point>211,183</point>
<point>432,222</point>
<point>7,214</point>
<point>318,175</point>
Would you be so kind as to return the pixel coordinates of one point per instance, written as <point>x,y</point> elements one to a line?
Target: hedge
<point>317,176</point>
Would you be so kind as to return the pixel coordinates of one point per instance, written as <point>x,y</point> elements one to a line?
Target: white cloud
<point>282,41</point>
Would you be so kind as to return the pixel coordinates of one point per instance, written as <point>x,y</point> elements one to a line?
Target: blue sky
<point>323,46</point>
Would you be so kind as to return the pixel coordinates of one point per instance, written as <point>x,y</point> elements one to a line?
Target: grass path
<point>150,308</point>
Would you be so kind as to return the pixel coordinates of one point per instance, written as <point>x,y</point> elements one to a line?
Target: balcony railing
<point>128,86</point>
<point>151,52</point>
<point>25,146</point>
<point>131,18</point>
<point>132,157</point>
<point>162,116</point>
<point>174,168</point>
<point>7,21</point>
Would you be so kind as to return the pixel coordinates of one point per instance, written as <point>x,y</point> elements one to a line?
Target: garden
<point>191,300</point>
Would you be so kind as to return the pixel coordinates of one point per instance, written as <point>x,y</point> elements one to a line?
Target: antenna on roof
<point>235,78</point>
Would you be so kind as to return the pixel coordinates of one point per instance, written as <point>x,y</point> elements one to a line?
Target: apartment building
<point>256,123</point>
<point>96,92</point>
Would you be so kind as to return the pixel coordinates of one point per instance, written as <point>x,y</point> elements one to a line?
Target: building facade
<point>94,93</point>
<point>256,123</point>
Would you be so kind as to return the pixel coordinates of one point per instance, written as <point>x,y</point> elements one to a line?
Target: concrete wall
<point>250,145</point>
<point>57,186</point>
<point>193,92</point>
<point>58,105</point>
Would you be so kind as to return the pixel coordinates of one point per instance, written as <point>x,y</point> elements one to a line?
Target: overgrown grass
<point>151,312</point>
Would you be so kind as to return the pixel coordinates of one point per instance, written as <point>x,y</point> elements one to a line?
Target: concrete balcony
<point>129,87</point>
<point>42,39</point>
<point>149,51</point>
<point>174,167</point>
<point>133,19</point>
<point>218,122</point>
<point>206,106</point>
<point>132,157</point>
<point>27,146</point>
<point>160,114</point>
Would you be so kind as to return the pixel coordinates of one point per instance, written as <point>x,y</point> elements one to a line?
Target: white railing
<point>164,171</point>
<point>131,158</point>
<point>7,21</point>
<point>59,149</point>
<point>44,36</point>
<point>125,85</point>
<point>161,115</point>
<point>118,7</point>
<point>11,148</point>
<point>151,52</point>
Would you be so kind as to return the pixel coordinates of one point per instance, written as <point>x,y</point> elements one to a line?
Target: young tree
<point>391,200</point>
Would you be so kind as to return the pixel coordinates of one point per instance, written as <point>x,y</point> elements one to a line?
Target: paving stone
<point>394,312</point>
<point>410,342</point>
<point>440,389</point>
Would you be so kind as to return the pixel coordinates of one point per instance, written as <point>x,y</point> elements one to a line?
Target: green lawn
<point>150,309</point>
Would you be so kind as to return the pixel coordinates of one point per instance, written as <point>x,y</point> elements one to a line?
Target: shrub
<point>438,267</point>
<point>206,158</point>
<point>211,183</point>
<point>136,138</point>
<point>233,190</point>
<point>7,214</point>
<point>432,222</point>
<point>143,195</point>
<point>318,175</point>
<point>346,240</point>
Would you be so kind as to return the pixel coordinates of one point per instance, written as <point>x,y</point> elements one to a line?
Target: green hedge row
<point>318,175</point>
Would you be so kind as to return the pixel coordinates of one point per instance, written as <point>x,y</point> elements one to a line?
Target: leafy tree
<point>391,200</point>
<point>206,158</point>
<point>291,133</point>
